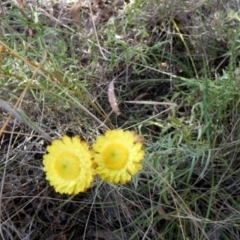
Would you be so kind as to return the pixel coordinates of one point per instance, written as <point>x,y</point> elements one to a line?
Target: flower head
<point>118,156</point>
<point>68,165</point>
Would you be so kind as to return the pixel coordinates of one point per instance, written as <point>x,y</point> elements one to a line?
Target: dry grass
<point>56,66</point>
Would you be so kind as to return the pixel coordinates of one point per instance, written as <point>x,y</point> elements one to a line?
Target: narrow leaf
<point>112,98</point>
<point>152,103</point>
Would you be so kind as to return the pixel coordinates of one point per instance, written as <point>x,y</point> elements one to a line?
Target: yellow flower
<point>118,156</point>
<point>68,165</point>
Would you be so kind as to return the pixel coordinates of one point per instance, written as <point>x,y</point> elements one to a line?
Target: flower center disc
<point>115,156</point>
<point>67,166</point>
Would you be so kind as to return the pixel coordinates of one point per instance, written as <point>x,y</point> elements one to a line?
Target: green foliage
<point>179,65</point>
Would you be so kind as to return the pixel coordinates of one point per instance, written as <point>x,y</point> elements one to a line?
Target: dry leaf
<point>162,212</point>
<point>112,98</point>
<point>75,11</point>
<point>21,3</point>
<point>141,96</point>
<point>138,138</point>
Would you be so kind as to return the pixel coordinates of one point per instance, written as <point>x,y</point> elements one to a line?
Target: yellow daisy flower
<point>118,155</point>
<point>68,165</point>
